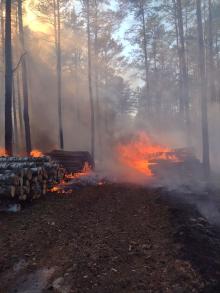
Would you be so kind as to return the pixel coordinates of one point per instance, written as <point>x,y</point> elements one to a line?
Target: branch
<point>19,62</point>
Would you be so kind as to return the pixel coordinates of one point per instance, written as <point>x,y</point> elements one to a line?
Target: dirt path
<point>107,239</point>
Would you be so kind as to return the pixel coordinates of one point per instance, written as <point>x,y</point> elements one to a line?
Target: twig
<point>19,62</point>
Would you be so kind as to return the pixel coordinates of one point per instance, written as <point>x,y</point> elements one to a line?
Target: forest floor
<point>109,239</point>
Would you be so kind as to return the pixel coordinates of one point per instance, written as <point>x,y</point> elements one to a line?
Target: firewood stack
<point>185,165</point>
<point>72,161</point>
<point>28,178</point>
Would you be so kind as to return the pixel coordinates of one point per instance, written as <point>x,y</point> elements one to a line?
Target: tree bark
<point>15,123</point>
<point>90,83</point>
<point>24,82</point>
<point>8,80</point>
<point>145,49</point>
<point>2,43</point>
<point>184,100</point>
<point>211,66</point>
<point>203,88</point>
<point>98,116</point>
<point>76,61</point>
<point>59,68</point>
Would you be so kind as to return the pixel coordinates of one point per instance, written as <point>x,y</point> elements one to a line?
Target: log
<point>36,171</point>
<point>11,169</point>
<point>28,178</point>
<point>7,191</point>
<point>22,195</point>
<point>9,179</point>
<point>36,190</point>
<point>24,159</point>
<point>28,173</point>
<point>44,187</point>
<point>19,166</point>
<point>70,159</point>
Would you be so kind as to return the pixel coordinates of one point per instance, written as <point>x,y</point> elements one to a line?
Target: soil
<point>109,239</point>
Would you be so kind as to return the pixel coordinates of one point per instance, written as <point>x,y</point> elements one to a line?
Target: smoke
<point>120,109</point>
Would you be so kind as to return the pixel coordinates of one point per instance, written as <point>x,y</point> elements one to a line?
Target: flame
<point>2,152</point>
<point>141,153</point>
<point>34,19</point>
<point>54,189</point>
<point>64,187</point>
<point>36,153</point>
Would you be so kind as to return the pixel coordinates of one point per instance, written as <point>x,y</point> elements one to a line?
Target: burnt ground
<point>109,239</point>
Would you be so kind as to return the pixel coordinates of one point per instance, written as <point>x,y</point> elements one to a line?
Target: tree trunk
<point>8,80</point>
<point>2,53</point>
<point>76,82</point>
<point>90,83</point>
<point>15,124</point>
<point>203,88</point>
<point>211,67</point>
<point>98,116</point>
<point>24,82</point>
<point>145,49</point>
<point>59,68</point>
<point>184,100</point>
<point>18,91</point>
<point>178,51</point>
<point>21,126</point>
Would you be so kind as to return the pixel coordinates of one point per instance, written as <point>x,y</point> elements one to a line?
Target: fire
<point>2,152</point>
<point>36,153</point>
<point>140,153</point>
<point>67,185</point>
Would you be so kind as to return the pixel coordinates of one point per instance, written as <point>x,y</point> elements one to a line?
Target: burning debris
<point>36,154</point>
<point>73,162</point>
<point>75,181</point>
<point>2,152</point>
<point>27,178</point>
<point>141,153</point>
<point>144,161</point>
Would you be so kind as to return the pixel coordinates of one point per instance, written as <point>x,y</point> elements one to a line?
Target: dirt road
<point>107,239</point>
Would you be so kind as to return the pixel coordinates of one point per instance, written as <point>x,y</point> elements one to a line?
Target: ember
<point>2,152</point>
<point>141,153</point>
<point>36,154</point>
<point>74,179</point>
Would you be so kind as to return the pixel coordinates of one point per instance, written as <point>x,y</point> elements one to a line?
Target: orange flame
<point>2,152</point>
<point>142,152</point>
<point>61,187</point>
<point>36,153</point>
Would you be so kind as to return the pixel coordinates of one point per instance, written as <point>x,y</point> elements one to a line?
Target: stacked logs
<point>72,161</point>
<point>27,178</point>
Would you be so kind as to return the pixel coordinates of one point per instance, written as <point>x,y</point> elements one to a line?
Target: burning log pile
<point>72,161</point>
<point>28,178</point>
<point>180,162</point>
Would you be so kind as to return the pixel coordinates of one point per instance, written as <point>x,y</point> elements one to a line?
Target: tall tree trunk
<point>145,49</point>
<point>59,77</point>
<point>17,86</point>
<point>178,50</point>
<point>186,43</point>
<point>184,102</point>
<point>21,126</point>
<point>211,67</point>
<point>8,80</point>
<point>76,81</point>
<point>2,54</point>
<point>98,116</point>
<point>56,4</point>
<point>90,83</point>
<point>15,123</point>
<point>24,82</point>
<point>203,88</point>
